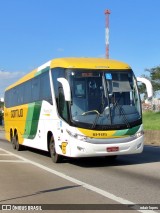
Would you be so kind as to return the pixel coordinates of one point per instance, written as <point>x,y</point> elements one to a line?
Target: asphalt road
<point>30,177</point>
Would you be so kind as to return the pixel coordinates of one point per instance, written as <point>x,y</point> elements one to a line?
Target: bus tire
<point>56,158</point>
<point>18,146</point>
<point>13,141</point>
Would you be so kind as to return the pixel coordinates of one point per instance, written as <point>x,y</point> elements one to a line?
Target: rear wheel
<point>16,144</point>
<point>13,141</point>
<point>56,158</point>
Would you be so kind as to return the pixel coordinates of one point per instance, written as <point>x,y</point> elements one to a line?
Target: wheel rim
<point>56,158</point>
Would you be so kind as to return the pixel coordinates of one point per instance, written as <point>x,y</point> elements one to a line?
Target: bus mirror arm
<point>148,85</point>
<point>66,88</point>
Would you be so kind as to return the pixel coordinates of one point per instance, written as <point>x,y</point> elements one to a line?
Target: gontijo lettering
<point>16,113</point>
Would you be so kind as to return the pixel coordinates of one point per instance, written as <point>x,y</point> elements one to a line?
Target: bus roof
<point>87,63</point>
<point>90,63</point>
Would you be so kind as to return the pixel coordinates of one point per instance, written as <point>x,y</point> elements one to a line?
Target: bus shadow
<point>36,151</point>
<point>149,155</point>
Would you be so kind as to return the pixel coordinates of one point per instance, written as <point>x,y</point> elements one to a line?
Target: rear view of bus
<point>76,107</point>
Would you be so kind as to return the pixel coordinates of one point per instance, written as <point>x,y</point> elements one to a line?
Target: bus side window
<point>20,92</point>
<point>57,73</point>
<point>27,91</point>
<point>45,89</point>
<point>62,105</point>
<point>35,89</point>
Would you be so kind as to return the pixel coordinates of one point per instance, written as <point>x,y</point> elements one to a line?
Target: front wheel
<point>56,158</point>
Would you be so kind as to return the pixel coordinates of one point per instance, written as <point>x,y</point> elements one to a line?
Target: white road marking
<point>5,154</point>
<point>83,184</point>
<point>13,161</point>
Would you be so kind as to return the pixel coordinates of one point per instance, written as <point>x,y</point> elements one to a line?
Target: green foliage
<point>151,120</point>
<point>1,104</point>
<point>142,87</point>
<point>1,113</point>
<point>1,107</point>
<point>154,77</point>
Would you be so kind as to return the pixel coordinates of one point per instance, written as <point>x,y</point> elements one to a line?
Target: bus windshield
<point>104,99</point>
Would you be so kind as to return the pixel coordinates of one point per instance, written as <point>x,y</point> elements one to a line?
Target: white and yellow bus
<point>76,107</point>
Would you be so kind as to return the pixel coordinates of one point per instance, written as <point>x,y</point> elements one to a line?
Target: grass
<point>151,120</point>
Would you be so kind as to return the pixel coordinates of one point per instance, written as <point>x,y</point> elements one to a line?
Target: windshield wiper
<point>121,110</point>
<point>91,112</point>
<point>106,95</point>
<point>95,121</point>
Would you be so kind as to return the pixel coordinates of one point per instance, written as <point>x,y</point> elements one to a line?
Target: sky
<point>35,31</point>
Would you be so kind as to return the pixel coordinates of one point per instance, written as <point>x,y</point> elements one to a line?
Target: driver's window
<point>62,105</point>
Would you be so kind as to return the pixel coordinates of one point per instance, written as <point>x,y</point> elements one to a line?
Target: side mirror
<point>66,88</point>
<point>148,86</point>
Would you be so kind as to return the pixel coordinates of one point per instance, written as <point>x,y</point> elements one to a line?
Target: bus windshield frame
<point>104,99</point>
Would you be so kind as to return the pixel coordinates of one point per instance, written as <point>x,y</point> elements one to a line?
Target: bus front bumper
<point>85,149</point>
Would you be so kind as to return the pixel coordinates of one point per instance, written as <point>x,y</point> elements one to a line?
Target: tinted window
<point>36,89</point>
<point>45,91</point>
<point>27,92</point>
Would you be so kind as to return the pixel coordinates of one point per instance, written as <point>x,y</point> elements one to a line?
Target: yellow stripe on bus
<point>97,134</point>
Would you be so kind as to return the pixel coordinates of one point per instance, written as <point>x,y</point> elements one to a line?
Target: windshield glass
<point>104,99</point>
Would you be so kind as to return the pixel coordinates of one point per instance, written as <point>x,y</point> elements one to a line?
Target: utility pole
<point>107,13</point>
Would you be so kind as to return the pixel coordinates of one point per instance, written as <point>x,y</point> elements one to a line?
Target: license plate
<point>113,149</point>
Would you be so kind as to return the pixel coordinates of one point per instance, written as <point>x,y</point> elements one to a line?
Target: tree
<point>1,116</point>
<point>142,87</point>
<point>1,112</point>
<point>154,77</point>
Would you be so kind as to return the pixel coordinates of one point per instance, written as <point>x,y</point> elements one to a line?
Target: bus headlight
<point>77,136</point>
<point>139,134</point>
